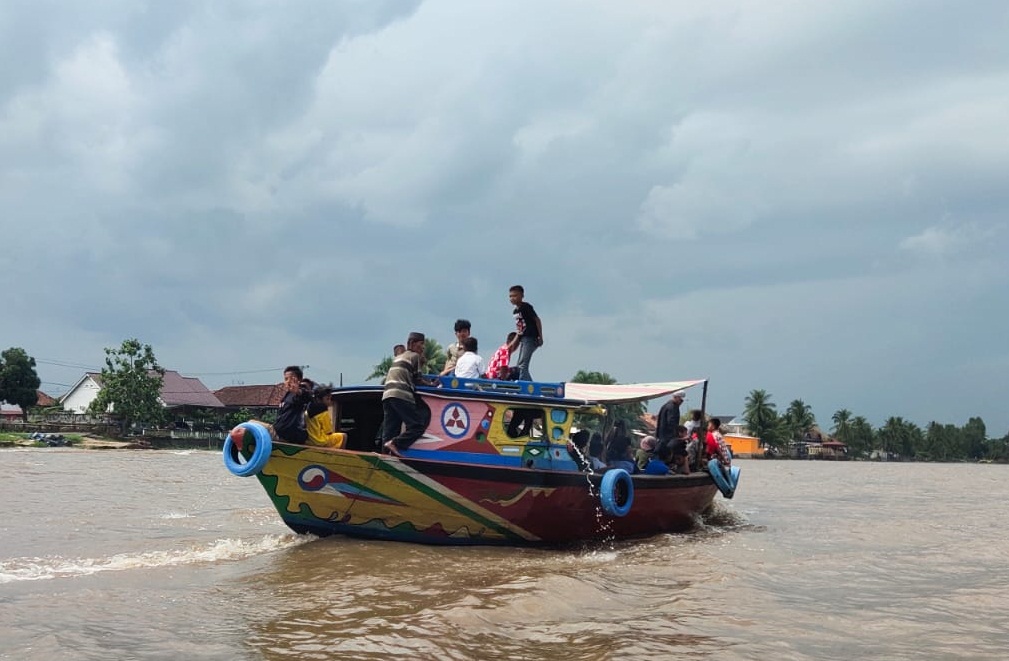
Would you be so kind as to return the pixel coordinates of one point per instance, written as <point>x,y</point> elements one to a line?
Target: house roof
<point>9,410</point>
<point>94,376</point>
<point>252,396</point>
<point>44,399</point>
<point>178,390</point>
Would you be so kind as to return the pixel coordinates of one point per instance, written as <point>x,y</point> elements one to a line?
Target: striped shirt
<point>399,381</point>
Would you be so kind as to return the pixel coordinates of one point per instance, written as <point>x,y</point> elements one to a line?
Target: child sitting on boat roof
<point>470,364</point>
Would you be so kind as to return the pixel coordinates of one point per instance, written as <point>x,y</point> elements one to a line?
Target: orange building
<point>744,446</point>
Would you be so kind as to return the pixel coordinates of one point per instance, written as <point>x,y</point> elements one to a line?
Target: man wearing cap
<point>669,418</point>
<point>399,401</point>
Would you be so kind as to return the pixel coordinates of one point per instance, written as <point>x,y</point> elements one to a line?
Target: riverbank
<point>92,442</point>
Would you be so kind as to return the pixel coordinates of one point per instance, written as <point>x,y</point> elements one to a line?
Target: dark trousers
<point>399,412</point>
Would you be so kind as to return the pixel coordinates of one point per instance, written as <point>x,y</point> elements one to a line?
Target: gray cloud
<point>807,199</point>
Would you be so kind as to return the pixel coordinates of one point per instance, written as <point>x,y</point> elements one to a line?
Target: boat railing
<point>526,388</point>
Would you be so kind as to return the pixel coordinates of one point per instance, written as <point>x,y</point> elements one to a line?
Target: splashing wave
<point>36,569</point>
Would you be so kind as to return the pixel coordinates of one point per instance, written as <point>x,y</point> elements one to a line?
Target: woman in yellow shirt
<point>319,422</point>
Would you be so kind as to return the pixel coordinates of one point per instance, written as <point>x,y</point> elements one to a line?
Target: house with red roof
<point>255,399</point>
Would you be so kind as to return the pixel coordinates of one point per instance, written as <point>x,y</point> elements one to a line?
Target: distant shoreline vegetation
<point>897,439</point>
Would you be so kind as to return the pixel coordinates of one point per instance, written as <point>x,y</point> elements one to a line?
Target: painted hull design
<point>494,466</point>
<point>327,492</point>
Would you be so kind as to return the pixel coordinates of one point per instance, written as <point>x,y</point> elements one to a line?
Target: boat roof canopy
<point>563,394</point>
<point>624,392</point>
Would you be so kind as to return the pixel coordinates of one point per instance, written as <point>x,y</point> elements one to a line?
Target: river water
<point>129,554</point>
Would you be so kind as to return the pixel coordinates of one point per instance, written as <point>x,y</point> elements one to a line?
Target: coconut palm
<point>842,425</point>
<point>434,361</point>
<point>862,434</point>
<point>381,369</point>
<point>800,419</point>
<point>434,357</point>
<point>762,418</point>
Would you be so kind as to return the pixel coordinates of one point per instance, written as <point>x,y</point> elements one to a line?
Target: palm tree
<point>381,369</point>
<point>434,361</point>
<point>861,436</point>
<point>761,417</point>
<point>434,357</point>
<point>842,425</point>
<point>800,418</point>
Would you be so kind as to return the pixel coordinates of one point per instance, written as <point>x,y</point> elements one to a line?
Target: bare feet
<point>391,448</point>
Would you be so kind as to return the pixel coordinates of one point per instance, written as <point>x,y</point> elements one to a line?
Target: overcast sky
<point>811,198</point>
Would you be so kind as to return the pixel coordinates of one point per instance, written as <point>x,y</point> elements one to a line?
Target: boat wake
<point>44,568</point>
<point>721,517</point>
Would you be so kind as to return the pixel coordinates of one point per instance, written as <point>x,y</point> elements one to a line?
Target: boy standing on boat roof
<point>454,350</point>
<point>529,329</point>
<point>399,402</point>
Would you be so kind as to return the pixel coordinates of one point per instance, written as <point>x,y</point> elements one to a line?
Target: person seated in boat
<point>470,364</point>
<point>498,368</point>
<point>694,425</point>
<point>290,422</point>
<point>618,448</point>
<point>645,452</point>
<point>596,448</point>
<point>714,445</point>
<point>678,452</point>
<point>578,448</point>
<point>659,463</point>
<point>319,421</point>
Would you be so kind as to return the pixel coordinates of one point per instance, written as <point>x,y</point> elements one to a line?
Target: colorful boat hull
<point>326,492</point>
<point>494,466</point>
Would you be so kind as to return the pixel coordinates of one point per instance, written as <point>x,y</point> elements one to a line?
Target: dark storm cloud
<point>807,199</point>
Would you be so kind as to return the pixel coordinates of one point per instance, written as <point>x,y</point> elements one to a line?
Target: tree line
<point>896,437</point>
<point>132,380</point>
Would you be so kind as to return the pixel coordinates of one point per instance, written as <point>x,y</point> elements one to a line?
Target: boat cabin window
<point>523,421</point>
<point>360,418</point>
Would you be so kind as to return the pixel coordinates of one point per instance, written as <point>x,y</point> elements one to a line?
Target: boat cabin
<point>512,423</point>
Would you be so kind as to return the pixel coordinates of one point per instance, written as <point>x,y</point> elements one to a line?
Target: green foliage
<point>434,357</point>
<point>630,413</point>
<point>900,437</point>
<point>974,445</point>
<point>799,419</point>
<point>762,419</point>
<point>381,369</point>
<point>19,382</point>
<point>434,361</point>
<point>941,443</point>
<point>861,436</point>
<point>131,384</point>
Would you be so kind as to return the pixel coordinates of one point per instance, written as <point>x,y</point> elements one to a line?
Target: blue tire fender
<point>725,479</point>
<point>616,492</point>
<point>261,450</point>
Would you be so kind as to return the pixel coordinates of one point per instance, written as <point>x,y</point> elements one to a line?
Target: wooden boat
<point>493,467</point>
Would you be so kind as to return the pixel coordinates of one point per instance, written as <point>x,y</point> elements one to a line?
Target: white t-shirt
<point>469,366</point>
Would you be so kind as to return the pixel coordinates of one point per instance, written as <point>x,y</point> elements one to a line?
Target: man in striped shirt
<point>399,402</point>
